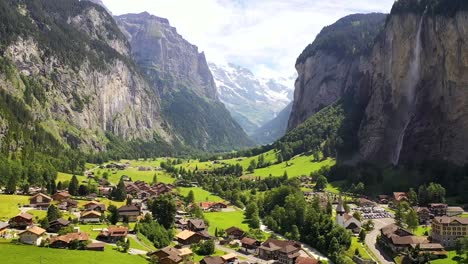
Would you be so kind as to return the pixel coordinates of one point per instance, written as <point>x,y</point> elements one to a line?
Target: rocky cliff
<point>69,63</point>
<point>179,73</point>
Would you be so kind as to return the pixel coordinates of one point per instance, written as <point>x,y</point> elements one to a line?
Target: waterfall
<point>412,80</point>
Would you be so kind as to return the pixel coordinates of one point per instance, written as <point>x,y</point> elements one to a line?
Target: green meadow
<point>224,220</point>
<point>200,194</point>
<point>9,205</point>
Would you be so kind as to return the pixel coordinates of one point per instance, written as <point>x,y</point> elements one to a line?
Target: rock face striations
<point>409,83</point>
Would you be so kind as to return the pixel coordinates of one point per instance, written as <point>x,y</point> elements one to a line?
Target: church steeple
<point>340,211</point>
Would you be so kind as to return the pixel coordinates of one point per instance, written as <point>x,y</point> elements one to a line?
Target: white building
<point>346,220</point>
<point>32,236</point>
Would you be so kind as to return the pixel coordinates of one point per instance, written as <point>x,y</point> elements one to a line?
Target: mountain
<point>396,94</point>
<point>179,73</point>
<point>252,101</point>
<point>273,129</point>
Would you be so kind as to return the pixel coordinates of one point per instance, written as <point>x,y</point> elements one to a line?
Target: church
<point>346,220</point>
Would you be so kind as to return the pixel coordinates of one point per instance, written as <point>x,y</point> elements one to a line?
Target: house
<point>90,217</point>
<point>365,202</point>
<point>32,236</point>
<point>229,258</point>
<point>171,255</point>
<point>383,199</point>
<point>454,211</point>
<point>68,205</point>
<point>285,251</point>
<point>400,196</point>
<point>61,196</point>
<point>446,230</point>
<point>424,214</point>
<point>438,209</point>
<point>346,220</point>
<point>104,191</point>
<point>235,233</point>
<point>95,206</point>
<point>96,246</point>
<point>3,229</point>
<point>212,260</point>
<point>306,260</point>
<point>65,240</point>
<point>196,225</point>
<point>21,221</point>
<point>433,249</point>
<point>132,212</point>
<point>398,239</point>
<point>113,234</point>
<point>249,244</point>
<point>40,201</point>
<point>212,206</point>
<point>58,224</point>
<point>187,237</point>
<point>181,224</point>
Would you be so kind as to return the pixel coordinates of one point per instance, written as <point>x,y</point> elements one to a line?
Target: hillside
<point>274,129</point>
<point>251,100</point>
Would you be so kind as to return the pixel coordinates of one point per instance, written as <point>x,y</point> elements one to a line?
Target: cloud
<point>265,36</point>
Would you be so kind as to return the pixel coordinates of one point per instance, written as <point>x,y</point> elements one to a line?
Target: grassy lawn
<point>200,194</point>
<point>453,258</point>
<point>135,245</point>
<point>62,177</point>
<point>88,228</point>
<point>146,242</point>
<point>334,187</point>
<point>421,229</point>
<point>298,166</point>
<point>9,205</point>
<point>105,201</point>
<point>224,220</point>
<point>356,244</point>
<point>135,174</point>
<point>19,254</point>
<point>464,215</point>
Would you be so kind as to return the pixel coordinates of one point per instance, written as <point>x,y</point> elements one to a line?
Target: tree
<point>329,208</point>
<point>73,187</point>
<point>295,235</point>
<point>196,211</point>
<point>412,219</point>
<point>321,183</point>
<point>412,197</point>
<point>436,193</point>
<point>206,248</point>
<point>119,193</point>
<point>59,186</point>
<point>461,246</point>
<point>368,226</point>
<point>155,179</point>
<point>252,166</point>
<point>357,215</point>
<point>362,235</point>
<point>164,210</point>
<point>53,213</point>
<point>52,187</point>
<point>11,185</point>
<point>83,190</point>
<point>113,216</point>
<point>251,210</point>
<point>190,197</point>
<point>44,222</point>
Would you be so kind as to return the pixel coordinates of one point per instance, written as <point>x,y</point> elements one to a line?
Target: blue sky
<point>265,36</point>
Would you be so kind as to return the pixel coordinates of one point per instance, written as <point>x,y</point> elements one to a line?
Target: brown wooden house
<point>113,234</point>
<point>21,221</point>
<point>235,233</point>
<point>132,212</point>
<point>61,196</point>
<point>187,237</point>
<point>40,201</point>
<point>196,225</point>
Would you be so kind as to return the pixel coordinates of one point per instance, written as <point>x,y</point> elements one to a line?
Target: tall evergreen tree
<point>53,213</point>
<point>164,210</point>
<point>73,187</point>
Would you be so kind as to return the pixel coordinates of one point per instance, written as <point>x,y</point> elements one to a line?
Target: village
<point>88,226</point>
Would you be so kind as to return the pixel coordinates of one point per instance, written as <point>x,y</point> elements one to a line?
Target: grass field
<point>453,258</point>
<point>105,201</point>
<point>334,187</point>
<point>9,205</point>
<point>224,220</point>
<point>298,166</point>
<point>356,244</point>
<point>421,230</point>
<point>135,174</point>
<point>20,254</point>
<point>200,194</point>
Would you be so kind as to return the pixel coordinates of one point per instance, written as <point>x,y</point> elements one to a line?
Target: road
<point>371,240</point>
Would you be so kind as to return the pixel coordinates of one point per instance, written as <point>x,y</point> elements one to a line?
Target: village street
<point>371,239</point>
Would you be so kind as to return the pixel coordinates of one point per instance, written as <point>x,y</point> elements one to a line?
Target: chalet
<point>398,239</point>
<point>365,202</point>
<point>58,224</point>
<point>196,225</point>
<point>285,252</point>
<point>383,199</point>
<point>65,240</point>
<point>229,258</point>
<point>436,250</point>
<point>95,206</point>
<point>181,224</point>
<point>113,234</point>
<point>61,196</point>
<point>438,209</point>
<point>249,244</point>
<point>454,211</point>
<point>212,260</point>
<point>104,191</point>
<point>187,238</point>
<point>235,233</point>
<point>423,213</point>
<point>306,260</point>
<point>96,246</point>
<point>212,206</point>
<point>171,255</point>
<point>90,217</point>
<point>32,236</point>
<point>68,205</point>
<point>446,230</point>
<point>40,201</point>
<point>21,221</point>
<point>132,212</point>
<point>3,229</point>
<point>400,196</point>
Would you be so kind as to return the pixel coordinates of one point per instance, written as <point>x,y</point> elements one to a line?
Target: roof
<point>398,196</point>
<point>60,221</point>
<point>96,245</point>
<point>248,241</point>
<point>3,225</point>
<point>421,209</point>
<point>129,208</point>
<point>340,208</point>
<point>233,229</point>
<point>429,246</point>
<point>70,237</point>
<point>35,230</point>
<point>40,194</point>
<point>25,216</point>
<point>213,260</point>
<point>455,209</point>
<point>64,194</point>
<point>90,213</point>
<point>197,223</point>
<point>284,245</point>
<point>92,203</point>
<point>409,240</point>
<point>306,260</point>
<point>184,235</point>
<point>229,256</point>
<point>449,220</point>
<point>185,251</point>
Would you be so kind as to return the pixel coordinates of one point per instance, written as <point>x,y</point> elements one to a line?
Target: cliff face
<point>418,107</point>
<point>181,76</point>
<point>331,65</point>
<point>75,75</point>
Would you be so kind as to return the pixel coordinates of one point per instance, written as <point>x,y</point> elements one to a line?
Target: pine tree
<point>73,187</point>
<point>190,197</point>
<point>53,213</point>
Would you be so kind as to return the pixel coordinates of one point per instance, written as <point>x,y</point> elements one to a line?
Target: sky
<point>264,36</point>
